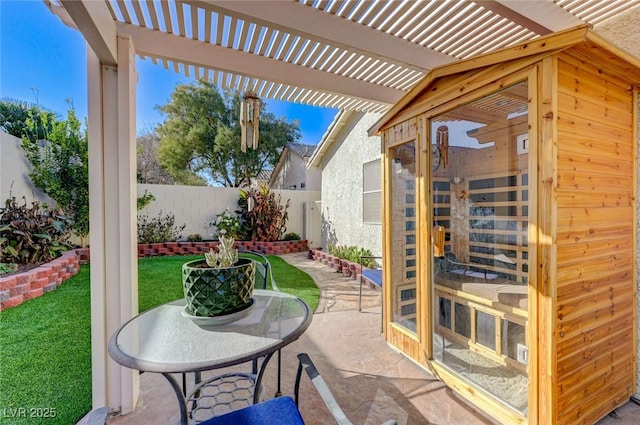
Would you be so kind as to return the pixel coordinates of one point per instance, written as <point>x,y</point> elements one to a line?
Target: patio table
<point>165,340</point>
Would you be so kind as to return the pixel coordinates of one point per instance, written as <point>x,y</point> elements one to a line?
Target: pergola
<point>349,54</point>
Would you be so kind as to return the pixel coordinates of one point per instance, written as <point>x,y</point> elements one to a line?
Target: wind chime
<point>249,120</point>
<point>442,140</point>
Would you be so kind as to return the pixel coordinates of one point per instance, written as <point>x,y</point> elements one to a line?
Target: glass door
<point>403,235</point>
<point>479,179</point>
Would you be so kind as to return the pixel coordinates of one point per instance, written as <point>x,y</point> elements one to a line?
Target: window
<point>371,192</point>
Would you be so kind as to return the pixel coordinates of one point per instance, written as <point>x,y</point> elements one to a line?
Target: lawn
<point>45,343</point>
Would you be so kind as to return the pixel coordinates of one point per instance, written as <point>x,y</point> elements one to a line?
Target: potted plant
<point>220,284</point>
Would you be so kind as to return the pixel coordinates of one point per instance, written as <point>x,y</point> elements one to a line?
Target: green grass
<point>45,343</point>
<point>45,355</point>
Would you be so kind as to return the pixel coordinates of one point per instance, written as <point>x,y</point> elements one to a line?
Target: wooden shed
<point>510,228</point>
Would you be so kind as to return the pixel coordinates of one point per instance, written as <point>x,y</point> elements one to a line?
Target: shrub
<point>8,268</point>
<point>144,200</point>
<point>227,224</point>
<point>196,237</point>
<point>33,234</point>
<point>291,236</point>
<point>158,229</point>
<point>61,164</point>
<point>353,254</point>
<point>263,218</point>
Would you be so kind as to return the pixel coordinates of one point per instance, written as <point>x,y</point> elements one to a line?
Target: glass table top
<point>163,339</point>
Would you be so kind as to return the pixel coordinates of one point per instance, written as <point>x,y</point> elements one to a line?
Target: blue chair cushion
<point>373,275</point>
<point>279,410</point>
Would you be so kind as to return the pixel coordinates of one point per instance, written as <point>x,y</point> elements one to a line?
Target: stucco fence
<point>18,288</point>
<point>198,206</point>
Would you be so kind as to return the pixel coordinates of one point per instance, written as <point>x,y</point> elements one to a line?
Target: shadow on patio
<point>371,381</point>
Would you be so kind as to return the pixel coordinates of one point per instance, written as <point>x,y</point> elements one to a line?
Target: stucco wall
<point>342,222</point>
<point>197,206</point>
<point>14,172</point>
<point>623,31</point>
<point>294,171</point>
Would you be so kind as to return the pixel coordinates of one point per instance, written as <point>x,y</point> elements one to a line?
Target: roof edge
<point>555,41</point>
<point>278,167</point>
<point>329,137</point>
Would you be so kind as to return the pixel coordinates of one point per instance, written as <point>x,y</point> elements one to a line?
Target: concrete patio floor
<point>371,381</point>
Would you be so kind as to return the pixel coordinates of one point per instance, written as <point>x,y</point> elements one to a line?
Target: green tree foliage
<point>200,139</point>
<point>60,166</point>
<point>14,115</point>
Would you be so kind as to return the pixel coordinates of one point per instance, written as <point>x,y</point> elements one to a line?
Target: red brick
<point>39,283</point>
<point>25,278</point>
<point>18,290</point>
<point>34,293</point>
<point>8,282</point>
<point>43,271</point>
<point>12,302</point>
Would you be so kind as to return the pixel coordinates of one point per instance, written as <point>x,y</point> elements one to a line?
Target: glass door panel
<point>402,189</point>
<point>479,182</point>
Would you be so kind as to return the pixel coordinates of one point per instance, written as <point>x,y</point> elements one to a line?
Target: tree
<point>61,166</point>
<point>149,169</point>
<point>200,139</point>
<point>14,115</point>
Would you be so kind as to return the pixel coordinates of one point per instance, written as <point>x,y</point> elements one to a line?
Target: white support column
<point>114,279</point>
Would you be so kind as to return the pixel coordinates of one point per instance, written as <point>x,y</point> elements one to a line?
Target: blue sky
<point>43,61</point>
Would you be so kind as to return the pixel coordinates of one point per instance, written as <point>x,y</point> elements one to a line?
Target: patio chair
<point>263,269</point>
<point>284,410</point>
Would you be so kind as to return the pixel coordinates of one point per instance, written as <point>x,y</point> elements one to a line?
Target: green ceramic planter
<point>217,291</point>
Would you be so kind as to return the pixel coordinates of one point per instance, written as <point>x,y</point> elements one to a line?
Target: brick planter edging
<point>17,288</point>
<point>338,264</point>
<point>196,248</point>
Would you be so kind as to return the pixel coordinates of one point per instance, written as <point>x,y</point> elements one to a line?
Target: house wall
<point>197,206</point>
<point>342,222</point>
<point>294,172</point>
<point>14,172</point>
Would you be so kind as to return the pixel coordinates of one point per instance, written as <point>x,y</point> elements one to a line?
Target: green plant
<point>225,257</point>
<point>7,268</point>
<point>61,165</point>
<point>195,237</point>
<point>32,234</point>
<point>263,217</point>
<point>144,200</point>
<point>353,254</point>
<point>291,236</point>
<point>158,229</point>
<point>227,224</point>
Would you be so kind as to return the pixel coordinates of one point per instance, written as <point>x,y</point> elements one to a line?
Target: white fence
<point>198,206</point>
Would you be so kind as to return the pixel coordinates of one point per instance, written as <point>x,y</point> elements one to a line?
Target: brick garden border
<point>346,267</point>
<point>17,288</point>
